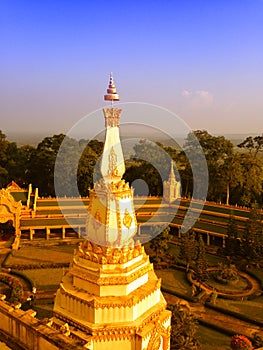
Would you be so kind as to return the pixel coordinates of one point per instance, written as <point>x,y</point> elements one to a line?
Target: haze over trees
<point>235,173</point>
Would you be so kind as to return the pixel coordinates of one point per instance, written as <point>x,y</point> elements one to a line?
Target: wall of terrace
<point>29,332</point>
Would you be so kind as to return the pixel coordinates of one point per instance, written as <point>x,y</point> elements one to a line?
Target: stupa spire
<point>172,176</point>
<point>112,163</point>
<point>171,187</point>
<point>111,91</point>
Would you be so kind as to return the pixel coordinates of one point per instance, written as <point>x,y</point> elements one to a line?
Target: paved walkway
<point>218,319</point>
<point>255,286</point>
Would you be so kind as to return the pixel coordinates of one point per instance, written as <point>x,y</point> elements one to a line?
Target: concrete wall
<point>29,332</point>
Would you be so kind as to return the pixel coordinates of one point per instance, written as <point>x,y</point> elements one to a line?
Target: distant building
<point>171,187</point>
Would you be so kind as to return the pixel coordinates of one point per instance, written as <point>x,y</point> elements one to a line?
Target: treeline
<point>235,173</point>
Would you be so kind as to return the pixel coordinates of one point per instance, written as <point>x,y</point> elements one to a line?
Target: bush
<point>15,285</point>
<point>240,342</point>
<point>227,273</point>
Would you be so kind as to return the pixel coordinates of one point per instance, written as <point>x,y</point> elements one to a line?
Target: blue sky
<point>200,59</point>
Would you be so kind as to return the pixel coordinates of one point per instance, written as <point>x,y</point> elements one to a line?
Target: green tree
<point>151,163</point>
<point>184,329</point>
<point>232,244</point>
<point>3,159</point>
<point>159,245</point>
<point>88,168</point>
<point>145,171</point>
<point>66,168</point>
<point>188,248</point>
<point>200,261</point>
<point>218,151</point>
<point>186,174</point>
<point>195,170</point>
<point>252,240</point>
<point>232,177</point>
<point>23,164</point>
<point>251,189</point>
<point>42,163</point>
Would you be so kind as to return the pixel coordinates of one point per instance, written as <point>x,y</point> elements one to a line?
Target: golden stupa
<point>110,298</point>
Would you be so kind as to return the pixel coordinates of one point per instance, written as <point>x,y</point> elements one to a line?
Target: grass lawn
<point>239,286</point>
<point>45,279</point>
<point>175,280</point>
<point>251,308</point>
<point>40,255</point>
<point>44,308</point>
<point>212,340</point>
<point>258,273</point>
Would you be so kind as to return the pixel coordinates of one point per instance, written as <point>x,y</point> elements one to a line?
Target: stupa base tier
<point>91,309</point>
<point>119,278</point>
<point>147,332</point>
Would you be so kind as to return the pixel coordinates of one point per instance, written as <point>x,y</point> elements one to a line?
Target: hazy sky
<point>202,59</point>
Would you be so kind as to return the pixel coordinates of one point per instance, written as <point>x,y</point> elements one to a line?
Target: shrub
<point>15,285</point>
<point>240,342</point>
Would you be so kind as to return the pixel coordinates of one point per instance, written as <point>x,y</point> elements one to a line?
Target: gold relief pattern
<point>111,333</point>
<point>112,117</point>
<point>108,255</point>
<point>96,220</point>
<point>114,333</point>
<point>113,168</point>
<point>119,190</point>
<point>127,219</point>
<point>124,280</point>
<point>120,186</point>
<point>8,200</point>
<point>130,301</point>
<point>98,186</point>
<point>161,335</point>
<point>10,210</point>
<point>112,280</point>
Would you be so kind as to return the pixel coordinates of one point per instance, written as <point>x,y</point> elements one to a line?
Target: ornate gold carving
<point>10,210</point>
<point>113,168</point>
<point>120,186</point>
<point>114,333</point>
<point>104,302</point>
<point>108,255</point>
<point>112,117</point>
<point>8,200</point>
<point>65,329</point>
<point>127,219</point>
<point>110,280</point>
<point>124,279</point>
<point>160,336</point>
<point>96,221</point>
<point>13,187</point>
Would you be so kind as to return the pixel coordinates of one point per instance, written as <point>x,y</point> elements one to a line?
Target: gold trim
<point>127,219</point>
<point>115,333</point>
<point>104,302</point>
<point>112,117</point>
<point>109,255</point>
<point>111,280</point>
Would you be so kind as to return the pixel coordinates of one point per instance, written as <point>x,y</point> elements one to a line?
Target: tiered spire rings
<point>111,92</point>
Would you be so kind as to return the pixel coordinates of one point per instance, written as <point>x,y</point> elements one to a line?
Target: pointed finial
<point>111,91</point>
<point>172,176</point>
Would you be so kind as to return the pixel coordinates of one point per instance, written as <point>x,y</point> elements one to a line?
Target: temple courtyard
<point>40,265</point>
